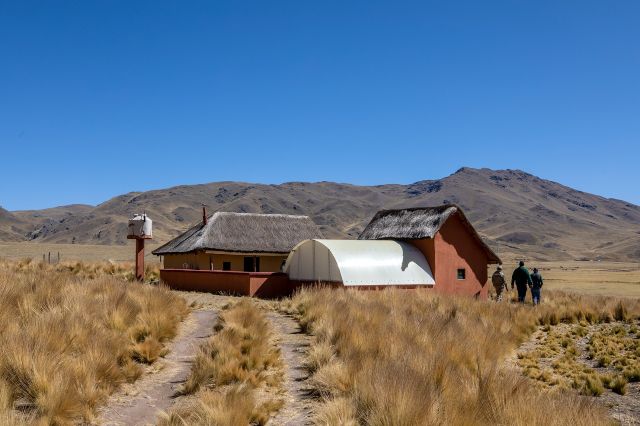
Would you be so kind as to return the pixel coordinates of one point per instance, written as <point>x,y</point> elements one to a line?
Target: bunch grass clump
<point>612,347</point>
<point>237,374</point>
<point>68,342</point>
<point>86,270</point>
<point>616,347</point>
<point>412,357</point>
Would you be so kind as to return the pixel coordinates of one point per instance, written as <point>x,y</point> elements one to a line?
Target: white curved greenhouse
<point>359,263</point>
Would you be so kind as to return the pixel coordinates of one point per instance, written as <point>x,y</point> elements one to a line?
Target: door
<point>251,264</point>
<point>248,264</point>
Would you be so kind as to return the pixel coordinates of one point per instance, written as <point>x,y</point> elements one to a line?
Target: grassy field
<point>71,334</point>
<point>75,252</point>
<point>617,279</point>
<point>406,357</point>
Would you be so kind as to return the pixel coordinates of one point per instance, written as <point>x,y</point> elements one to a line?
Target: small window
<point>462,274</point>
<point>226,266</point>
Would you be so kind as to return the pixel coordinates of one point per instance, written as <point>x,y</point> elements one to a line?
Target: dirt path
<point>293,346</point>
<point>141,402</point>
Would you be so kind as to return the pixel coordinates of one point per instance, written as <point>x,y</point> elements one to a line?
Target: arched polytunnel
<point>359,263</point>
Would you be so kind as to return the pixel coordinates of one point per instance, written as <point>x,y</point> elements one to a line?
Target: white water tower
<point>140,228</point>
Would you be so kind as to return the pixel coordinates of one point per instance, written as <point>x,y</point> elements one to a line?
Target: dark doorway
<point>226,266</point>
<point>252,264</point>
<point>248,264</point>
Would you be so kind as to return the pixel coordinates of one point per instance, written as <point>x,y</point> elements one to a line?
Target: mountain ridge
<point>518,213</point>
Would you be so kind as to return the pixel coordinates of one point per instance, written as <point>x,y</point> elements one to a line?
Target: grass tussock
<point>613,348</point>
<point>236,375</point>
<point>412,357</point>
<point>67,342</point>
<point>85,270</point>
<point>617,347</point>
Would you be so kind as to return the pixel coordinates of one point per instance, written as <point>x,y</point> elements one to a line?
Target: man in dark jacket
<point>521,279</point>
<point>536,286</point>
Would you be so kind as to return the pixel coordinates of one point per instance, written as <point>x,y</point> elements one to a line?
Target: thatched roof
<point>244,232</point>
<point>418,223</point>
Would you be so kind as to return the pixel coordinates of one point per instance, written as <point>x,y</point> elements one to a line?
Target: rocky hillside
<point>518,213</point>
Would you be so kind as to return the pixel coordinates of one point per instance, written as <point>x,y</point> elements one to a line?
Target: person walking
<point>521,279</point>
<point>536,286</point>
<point>499,283</point>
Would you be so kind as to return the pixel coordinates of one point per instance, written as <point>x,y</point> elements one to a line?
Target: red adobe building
<point>457,255</point>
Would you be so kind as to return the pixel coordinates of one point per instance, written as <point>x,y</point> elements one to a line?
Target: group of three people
<point>522,279</point>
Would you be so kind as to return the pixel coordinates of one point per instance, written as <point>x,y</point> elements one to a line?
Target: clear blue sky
<point>365,92</point>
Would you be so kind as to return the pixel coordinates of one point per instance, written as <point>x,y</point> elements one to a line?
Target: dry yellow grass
<point>73,252</point>
<point>412,357</point>
<point>618,279</point>
<point>236,375</point>
<point>618,347</point>
<point>68,341</point>
<point>86,270</point>
<point>612,351</point>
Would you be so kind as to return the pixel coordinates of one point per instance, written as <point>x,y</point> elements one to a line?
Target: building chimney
<point>204,215</point>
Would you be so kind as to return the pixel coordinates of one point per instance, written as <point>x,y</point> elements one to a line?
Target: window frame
<point>464,274</point>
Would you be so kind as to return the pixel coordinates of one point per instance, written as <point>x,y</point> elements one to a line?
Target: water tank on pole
<point>139,229</point>
<point>140,226</point>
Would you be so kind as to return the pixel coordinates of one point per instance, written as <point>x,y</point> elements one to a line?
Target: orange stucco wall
<point>453,248</point>
<point>260,284</point>
<point>202,261</point>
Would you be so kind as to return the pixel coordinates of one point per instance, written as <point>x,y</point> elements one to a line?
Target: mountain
<point>11,228</point>
<point>518,213</point>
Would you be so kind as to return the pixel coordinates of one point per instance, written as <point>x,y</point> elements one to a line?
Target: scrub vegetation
<point>237,374</point>
<point>412,357</point>
<point>587,357</point>
<point>72,334</point>
<point>86,270</point>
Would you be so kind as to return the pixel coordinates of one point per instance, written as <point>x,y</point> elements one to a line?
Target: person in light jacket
<point>536,286</point>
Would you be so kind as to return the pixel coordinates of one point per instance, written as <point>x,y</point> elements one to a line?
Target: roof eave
<point>155,252</point>
<point>492,257</point>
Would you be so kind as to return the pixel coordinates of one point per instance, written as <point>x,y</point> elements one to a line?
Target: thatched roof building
<point>426,247</point>
<point>244,233</point>
<point>419,223</point>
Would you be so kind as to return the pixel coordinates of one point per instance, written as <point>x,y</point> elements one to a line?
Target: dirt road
<point>141,402</point>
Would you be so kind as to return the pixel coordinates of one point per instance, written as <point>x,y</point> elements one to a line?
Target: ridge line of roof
<point>258,214</point>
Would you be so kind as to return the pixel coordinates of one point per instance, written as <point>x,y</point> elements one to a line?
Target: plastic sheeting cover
<point>359,262</point>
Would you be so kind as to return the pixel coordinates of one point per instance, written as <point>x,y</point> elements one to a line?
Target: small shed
<point>454,250</point>
<point>354,263</point>
<point>247,242</point>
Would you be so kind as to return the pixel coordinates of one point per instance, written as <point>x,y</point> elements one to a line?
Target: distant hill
<point>11,228</point>
<point>518,213</point>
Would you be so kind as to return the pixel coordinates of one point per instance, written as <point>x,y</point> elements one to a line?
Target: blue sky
<point>366,92</point>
